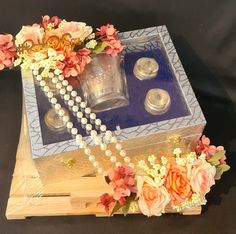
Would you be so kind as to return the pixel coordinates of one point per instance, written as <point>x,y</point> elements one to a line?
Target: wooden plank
<point>30,196</point>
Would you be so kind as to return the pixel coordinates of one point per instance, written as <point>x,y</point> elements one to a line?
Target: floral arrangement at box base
<point>182,181</point>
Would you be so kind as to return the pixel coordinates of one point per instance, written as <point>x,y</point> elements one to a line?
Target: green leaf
<point>214,160</point>
<point>100,47</point>
<point>129,200</point>
<point>116,208</point>
<point>220,169</point>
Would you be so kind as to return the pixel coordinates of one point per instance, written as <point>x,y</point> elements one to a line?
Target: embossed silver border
<point>195,118</point>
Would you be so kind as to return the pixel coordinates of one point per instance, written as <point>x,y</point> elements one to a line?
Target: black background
<point>204,33</point>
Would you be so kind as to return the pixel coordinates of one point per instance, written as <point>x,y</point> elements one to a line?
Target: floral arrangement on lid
<point>180,181</point>
<point>58,45</point>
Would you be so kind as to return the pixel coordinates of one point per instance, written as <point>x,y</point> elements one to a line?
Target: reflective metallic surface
<point>157,101</point>
<point>53,120</point>
<point>146,68</point>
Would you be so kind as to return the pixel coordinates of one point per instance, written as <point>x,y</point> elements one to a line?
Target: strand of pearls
<point>82,112</point>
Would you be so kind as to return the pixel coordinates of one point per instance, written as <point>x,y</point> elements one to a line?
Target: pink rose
<point>201,176</point>
<point>34,33</point>
<point>78,30</point>
<point>177,184</point>
<point>7,51</point>
<point>152,199</point>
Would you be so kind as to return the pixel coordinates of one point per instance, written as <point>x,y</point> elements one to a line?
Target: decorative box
<point>56,153</point>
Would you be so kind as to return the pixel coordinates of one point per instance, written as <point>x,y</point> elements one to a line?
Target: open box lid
<point>132,121</point>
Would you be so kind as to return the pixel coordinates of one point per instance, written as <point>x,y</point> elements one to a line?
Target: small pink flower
<point>107,31</point>
<point>109,35</point>
<point>50,20</point>
<point>201,176</point>
<point>7,51</point>
<point>74,62</point>
<point>203,146</point>
<point>123,183</point>
<point>107,201</point>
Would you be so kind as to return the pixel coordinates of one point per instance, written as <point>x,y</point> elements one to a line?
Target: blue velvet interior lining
<point>134,114</point>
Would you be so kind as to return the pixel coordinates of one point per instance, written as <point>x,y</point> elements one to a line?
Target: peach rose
<point>77,30</point>
<point>152,199</point>
<point>201,176</point>
<point>34,33</point>
<point>177,183</point>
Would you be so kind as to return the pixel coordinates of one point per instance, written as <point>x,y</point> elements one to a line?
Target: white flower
<point>91,44</point>
<point>177,151</point>
<point>164,160</point>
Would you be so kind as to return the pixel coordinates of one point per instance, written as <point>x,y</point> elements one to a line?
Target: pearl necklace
<point>82,112</point>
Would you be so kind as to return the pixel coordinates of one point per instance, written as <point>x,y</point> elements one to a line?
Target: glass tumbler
<point>104,84</point>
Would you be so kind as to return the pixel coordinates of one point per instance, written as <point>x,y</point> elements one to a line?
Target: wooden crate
<point>29,196</point>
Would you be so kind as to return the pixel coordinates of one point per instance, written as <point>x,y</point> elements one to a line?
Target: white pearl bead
<point>114,139</point>
<point>95,164</point>
<point>82,104</point>
<point>69,88</point>
<point>62,91</point>
<point>84,120</point>
<point>50,94</point>
<point>108,153</point>
<point>92,116</point>
<point>66,118</point>
<point>46,89</point>
<point>42,83</point>
<point>57,107</point>
<point>61,112</point>
<point>78,138</point>
<point>87,151</point>
<point>38,77</point>
<point>131,165</point>
<point>65,83</point>
<point>35,72</point>
<point>88,127</point>
<point>83,144</point>
<point>70,103</point>
<point>98,122</point>
<point>66,97</point>
<point>73,93</point>
<point>78,99</point>
<point>50,75</point>
<point>103,146</point>
<point>75,108</point>
<point>58,85</point>
<point>103,128</point>
<point>122,153</point>
<point>93,133</point>
<point>127,159</point>
<point>87,110</point>
<point>74,131</point>
<point>118,164</point>
<point>118,146</point>
<point>97,140</point>
<point>91,158</point>
<point>60,77</point>
<point>69,125</point>
<point>53,100</point>
<point>79,114</point>
<point>113,159</point>
<point>54,80</point>
<point>108,134</point>
<point>100,170</point>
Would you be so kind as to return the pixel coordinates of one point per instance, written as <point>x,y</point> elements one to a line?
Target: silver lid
<point>146,68</point>
<point>53,120</point>
<point>157,101</point>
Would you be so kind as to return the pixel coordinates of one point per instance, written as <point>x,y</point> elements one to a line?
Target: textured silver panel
<point>143,35</point>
